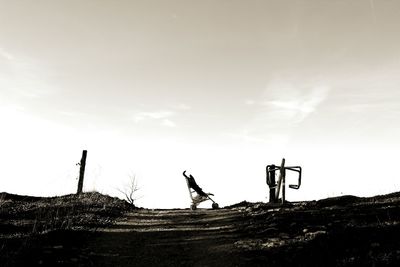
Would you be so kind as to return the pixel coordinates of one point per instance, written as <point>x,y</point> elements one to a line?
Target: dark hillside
<point>96,230</point>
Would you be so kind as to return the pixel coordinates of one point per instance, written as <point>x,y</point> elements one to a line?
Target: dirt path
<point>147,238</point>
<point>170,237</point>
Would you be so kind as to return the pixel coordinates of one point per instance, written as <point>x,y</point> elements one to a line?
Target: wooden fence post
<point>82,172</point>
<point>281,181</point>
<point>283,172</point>
<point>272,187</point>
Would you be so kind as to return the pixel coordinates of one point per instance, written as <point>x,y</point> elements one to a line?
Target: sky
<point>218,88</point>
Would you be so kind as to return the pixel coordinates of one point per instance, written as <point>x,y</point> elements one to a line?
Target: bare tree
<point>130,190</point>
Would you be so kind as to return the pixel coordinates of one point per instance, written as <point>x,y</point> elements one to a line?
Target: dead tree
<point>130,190</point>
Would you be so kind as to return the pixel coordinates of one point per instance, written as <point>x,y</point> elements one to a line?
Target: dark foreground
<point>345,231</point>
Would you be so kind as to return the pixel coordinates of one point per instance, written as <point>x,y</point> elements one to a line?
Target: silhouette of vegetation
<point>26,219</point>
<point>130,190</point>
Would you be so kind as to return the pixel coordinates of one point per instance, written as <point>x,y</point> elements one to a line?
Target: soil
<point>342,231</point>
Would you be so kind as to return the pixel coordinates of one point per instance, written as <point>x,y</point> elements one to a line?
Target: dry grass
<point>24,219</point>
<point>38,215</point>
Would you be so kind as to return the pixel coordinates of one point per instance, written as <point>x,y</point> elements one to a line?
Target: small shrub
<point>130,190</point>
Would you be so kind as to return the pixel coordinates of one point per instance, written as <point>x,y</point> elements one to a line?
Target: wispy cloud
<point>282,108</point>
<point>6,55</point>
<point>156,115</point>
<point>298,107</point>
<point>23,77</point>
<point>162,117</point>
<point>168,123</point>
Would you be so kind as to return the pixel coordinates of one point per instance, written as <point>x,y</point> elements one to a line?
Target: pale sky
<point>219,88</point>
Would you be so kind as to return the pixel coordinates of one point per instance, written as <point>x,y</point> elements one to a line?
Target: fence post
<point>280,181</point>
<point>283,172</point>
<point>273,187</point>
<point>82,172</point>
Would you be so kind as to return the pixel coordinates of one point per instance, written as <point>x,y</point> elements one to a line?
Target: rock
<point>273,243</point>
<point>284,235</point>
<point>313,235</point>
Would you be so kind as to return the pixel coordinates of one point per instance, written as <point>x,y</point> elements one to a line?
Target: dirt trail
<point>147,238</point>
<point>171,237</point>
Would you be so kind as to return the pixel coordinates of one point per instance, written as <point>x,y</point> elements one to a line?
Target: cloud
<point>162,116</point>
<point>157,115</point>
<point>278,113</point>
<point>23,77</point>
<point>291,105</point>
<point>168,123</point>
<point>6,55</point>
<point>297,107</point>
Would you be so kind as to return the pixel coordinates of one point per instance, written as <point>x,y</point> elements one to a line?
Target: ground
<point>97,230</point>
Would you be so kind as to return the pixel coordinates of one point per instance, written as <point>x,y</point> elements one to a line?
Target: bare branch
<point>130,190</point>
